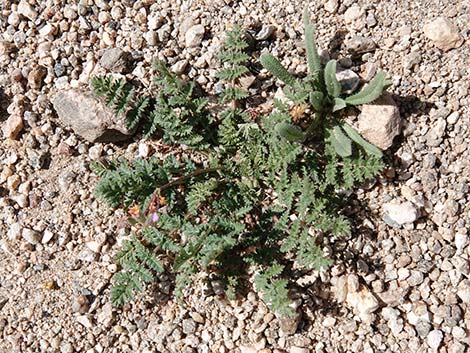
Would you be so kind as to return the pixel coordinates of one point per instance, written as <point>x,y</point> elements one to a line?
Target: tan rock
<point>379,122</point>
<point>443,33</point>
<point>12,127</point>
<point>363,301</point>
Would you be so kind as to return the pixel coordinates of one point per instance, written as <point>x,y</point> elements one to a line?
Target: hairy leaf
<point>370,92</point>
<point>275,67</point>
<point>290,132</point>
<point>332,84</point>
<point>368,147</point>
<point>341,142</point>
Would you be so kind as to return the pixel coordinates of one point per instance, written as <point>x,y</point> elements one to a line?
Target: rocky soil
<point>399,284</point>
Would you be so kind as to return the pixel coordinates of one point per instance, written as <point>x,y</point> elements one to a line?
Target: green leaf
<point>333,87</point>
<point>338,104</point>
<point>316,100</point>
<point>341,143</point>
<point>313,58</point>
<point>370,92</point>
<point>290,132</point>
<point>368,147</point>
<point>275,67</point>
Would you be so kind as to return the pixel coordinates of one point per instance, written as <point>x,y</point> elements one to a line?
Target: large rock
<point>89,117</point>
<point>379,122</point>
<point>443,33</point>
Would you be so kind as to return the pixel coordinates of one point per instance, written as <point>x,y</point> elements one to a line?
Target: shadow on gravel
<point>4,102</point>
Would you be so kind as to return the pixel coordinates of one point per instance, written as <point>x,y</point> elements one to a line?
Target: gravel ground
<point>399,284</point>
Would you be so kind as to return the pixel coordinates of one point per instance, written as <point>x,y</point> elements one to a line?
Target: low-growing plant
<point>249,195</point>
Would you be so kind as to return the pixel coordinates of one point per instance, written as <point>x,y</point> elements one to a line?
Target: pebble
<point>443,33</point>
<point>434,339</point>
<point>355,17</point>
<point>194,36</point>
<point>295,349</point>
<point>363,301</point>
<point>349,80</point>
<point>36,77</point>
<point>189,326</point>
<point>398,214</point>
<point>380,121</point>
<point>27,10</point>
<point>266,32</point>
<point>331,6</point>
<point>359,45</point>
<point>85,320</point>
<point>463,290</point>
<point>31,236</point>
<point>12,127</point>
<point>116,60</point>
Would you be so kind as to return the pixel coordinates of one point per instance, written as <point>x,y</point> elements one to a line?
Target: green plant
<point>247,194</point>
<point>321,90</point>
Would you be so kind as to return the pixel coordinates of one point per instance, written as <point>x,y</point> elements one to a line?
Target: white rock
<point>25,9</point>
<point>463,291</point>
<point>144,150</point>
<point>295,349</point>
<point>362,301</point>
<point>355,17</point>
<point>194,36</point>
<point>443,33</point>
<point>31,236</point>
<point>331,6</point>
<point>47,236</point>
<point>14,232</point>
<point>379,122</point>
<point>400,213</point>
<point>461,240</point>
<point>85,321</point>
<point>46,30</point>
<point>434,339</point>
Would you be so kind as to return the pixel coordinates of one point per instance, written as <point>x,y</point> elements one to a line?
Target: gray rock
<point>194,35</point>
<point>397,214</point>
<point>360,45</point>
<point>443,33</point>
<point>116,60</point>
<point>349,80</point>
<point>422,328</point>
<point>379,122</point>
<point>434,339</point>
<point>289,324</point>
<point>89,117</point>
<point>412,59</point>
<point>189,326</point>
<point>436,134</point>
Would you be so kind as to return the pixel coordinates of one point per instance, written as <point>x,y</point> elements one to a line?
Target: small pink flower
<point>154,217</point>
